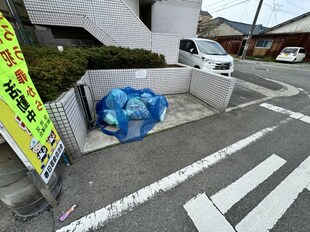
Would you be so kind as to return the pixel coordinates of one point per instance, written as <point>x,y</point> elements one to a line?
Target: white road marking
<point>304,91</point>
<point>100,217</point>
<point>227,197</point>
<point>264,216</point>
<point>305,119</point>
<point>292,114</point>
<point>206,216</point>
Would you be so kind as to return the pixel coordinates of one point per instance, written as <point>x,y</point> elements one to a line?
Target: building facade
<point>292,33</point>
<point>151,25</point>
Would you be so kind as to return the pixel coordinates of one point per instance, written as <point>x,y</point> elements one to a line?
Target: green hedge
<point>54,72</point>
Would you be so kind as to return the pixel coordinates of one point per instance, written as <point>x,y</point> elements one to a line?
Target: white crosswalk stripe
<point>292,114</point>
<point>265,215</point>
<point>209,214</point>
<point>205,215</point>
<point>233,193</point>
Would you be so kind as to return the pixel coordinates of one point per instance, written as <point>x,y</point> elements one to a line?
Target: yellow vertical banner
<point>22,111</point>
<point>17,88</point>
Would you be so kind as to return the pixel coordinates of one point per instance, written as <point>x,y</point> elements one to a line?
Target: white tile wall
<point>69,122</point>
<point>167,44</point>
<point>55,18</point>
<point>212,88</point>
<point>91,27</point>
<point>175,16</point>
<point>162,81</point>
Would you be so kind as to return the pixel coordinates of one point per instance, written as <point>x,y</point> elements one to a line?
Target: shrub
<point>53,72</point>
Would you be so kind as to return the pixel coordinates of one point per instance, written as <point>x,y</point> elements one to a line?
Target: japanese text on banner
<point>16,87</point>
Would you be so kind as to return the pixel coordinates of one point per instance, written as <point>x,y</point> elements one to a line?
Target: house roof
<point>287,22</point>
<point>205,13</point>
<point>243,27</point>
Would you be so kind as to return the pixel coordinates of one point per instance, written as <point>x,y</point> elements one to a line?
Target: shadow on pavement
<point>243,95</point>
<point>257,80</point>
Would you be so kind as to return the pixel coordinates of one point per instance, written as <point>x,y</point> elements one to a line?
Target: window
<point>289,50</point>
<point>211,48</point>
<point>182,44</point>
<point>188,45</point>
<point>263,43</point>
<point>302,50</point>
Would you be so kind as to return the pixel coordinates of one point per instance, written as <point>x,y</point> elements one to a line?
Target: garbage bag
<point>136,113</point>
<point>116,96</point>
<point>136,109</point>
<point>110,117</point>
<point>145,98</point>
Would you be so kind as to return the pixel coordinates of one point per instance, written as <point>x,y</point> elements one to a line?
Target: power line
<point>224,7</point>
<point>228,7</point>
<point>220,6</point>
<point>219,2</point>
<point>245,13</point>
<point>285,11</point>
<point>295,5</point>
<point>276,8</point>
<point>216,3</point>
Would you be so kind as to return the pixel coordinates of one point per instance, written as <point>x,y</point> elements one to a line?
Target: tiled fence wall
<point>211,88</point>
<point>162,81</point>
<point>69,119</point>
<point>111,21</point>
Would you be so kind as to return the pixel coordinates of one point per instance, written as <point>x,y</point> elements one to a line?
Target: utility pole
<point>246,46</point>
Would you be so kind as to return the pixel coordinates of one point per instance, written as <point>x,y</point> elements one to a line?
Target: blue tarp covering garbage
<point>133,112</point>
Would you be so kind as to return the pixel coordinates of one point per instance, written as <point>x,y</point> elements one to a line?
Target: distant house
<point>230,34</point>
<point>266,42</point>
<point>224,27</point>
<point>294,32</point>
<point>204,16</point>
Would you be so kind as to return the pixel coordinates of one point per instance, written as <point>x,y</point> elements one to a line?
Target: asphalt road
<point>107,178</point>
<point>297,74</point>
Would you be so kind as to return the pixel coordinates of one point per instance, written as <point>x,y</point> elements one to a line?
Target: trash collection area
<point>132,113</point>
<point>191,94</point>
<point>183,108</point>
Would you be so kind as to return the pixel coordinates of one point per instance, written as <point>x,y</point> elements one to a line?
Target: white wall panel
<point>214,89</point>
<point>168,45</point>
<point>176,17</point>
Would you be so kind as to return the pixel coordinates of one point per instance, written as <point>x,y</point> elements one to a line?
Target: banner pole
<point>43,188</point>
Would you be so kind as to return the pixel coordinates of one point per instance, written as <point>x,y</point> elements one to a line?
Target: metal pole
<point>43,188</point>
<point>18,22</point>
<point>246,46</point>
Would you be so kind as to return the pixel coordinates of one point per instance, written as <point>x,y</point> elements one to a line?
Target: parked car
<point>206,54</point>
<point>292,54</point>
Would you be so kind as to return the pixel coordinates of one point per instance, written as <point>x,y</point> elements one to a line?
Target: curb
<point>286,91</point>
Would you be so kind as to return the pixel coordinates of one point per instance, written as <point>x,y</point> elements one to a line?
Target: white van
<point>292,54</point>
<point>206,54</point>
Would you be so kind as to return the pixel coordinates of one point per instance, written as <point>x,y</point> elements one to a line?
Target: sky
<point>272,12</point>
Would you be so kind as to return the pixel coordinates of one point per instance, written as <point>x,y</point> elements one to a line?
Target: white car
<point>292,54</point>
<point>207,55</point>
